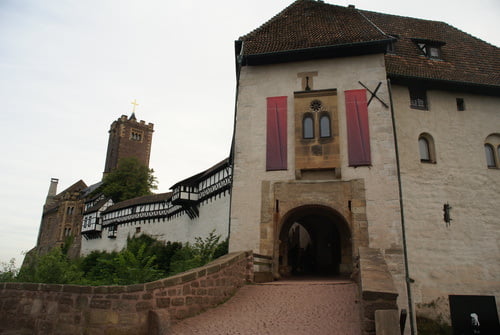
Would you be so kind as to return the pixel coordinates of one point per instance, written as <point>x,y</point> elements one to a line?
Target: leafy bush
<point>144,259</point>
<point>198,254</point>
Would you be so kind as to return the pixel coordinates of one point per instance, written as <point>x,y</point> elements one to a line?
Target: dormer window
<point>391,45</point>
<point>430,49</point>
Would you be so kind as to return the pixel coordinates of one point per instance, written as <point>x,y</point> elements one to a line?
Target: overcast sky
<point>69,68</point>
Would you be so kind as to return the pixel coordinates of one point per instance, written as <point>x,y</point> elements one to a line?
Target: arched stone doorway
<point>314,240</point>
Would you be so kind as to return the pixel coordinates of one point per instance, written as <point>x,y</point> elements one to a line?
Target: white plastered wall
<point>214,215</point>
<point>464,257</point>
<point>259,82</point>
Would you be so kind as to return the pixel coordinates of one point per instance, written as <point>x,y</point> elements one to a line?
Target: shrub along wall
<point>134,309</point>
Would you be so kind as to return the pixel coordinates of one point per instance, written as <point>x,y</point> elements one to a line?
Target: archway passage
<point>314,240</point>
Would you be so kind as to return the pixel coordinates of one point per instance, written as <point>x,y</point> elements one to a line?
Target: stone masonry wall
<point>32,308</point>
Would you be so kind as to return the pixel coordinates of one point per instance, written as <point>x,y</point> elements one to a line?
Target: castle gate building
<point>358,129</point>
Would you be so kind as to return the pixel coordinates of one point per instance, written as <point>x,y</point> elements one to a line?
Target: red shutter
<point>358,134</point>
<point>276,154</point>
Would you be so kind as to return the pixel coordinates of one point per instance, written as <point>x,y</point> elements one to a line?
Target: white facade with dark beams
<point>196,206</point>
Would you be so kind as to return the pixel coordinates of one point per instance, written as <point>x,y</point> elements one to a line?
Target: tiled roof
<point>309,24</point>
<point>147,199</point>
<point>312,25</point>
<point>464,58</point>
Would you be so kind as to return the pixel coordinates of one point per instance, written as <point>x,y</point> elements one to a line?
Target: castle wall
<point>214,214</point>
<point>149,308</point>
<point>463,257</point>
<point>251,181</point>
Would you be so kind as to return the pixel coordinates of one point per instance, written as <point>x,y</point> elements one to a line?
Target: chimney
<point>52,190</point>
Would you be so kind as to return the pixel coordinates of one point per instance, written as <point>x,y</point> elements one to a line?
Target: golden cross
<point>135,104</point>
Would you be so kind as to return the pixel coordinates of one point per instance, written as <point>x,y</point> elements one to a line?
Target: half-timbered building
<point>196,206</point>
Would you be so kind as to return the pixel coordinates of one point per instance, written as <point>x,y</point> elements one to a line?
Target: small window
<point>308,127</point>
<point>418,98</point>
<point>490,155</point>
<point>426,148</point>
<point>324,126</point>
<point>137,230</point>
<point>423,146</point>
<point>460,104</point>
<point>434,52</point>
<point>430,50</point>
<point>136,135</point>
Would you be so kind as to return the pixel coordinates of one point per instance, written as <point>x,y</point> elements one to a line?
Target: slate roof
<point>147,199</point>
<point>314,25</point>
<point>194,180</point>
<point>97,206</point>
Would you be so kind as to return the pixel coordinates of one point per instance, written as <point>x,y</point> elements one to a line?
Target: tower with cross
<point>128,138</point>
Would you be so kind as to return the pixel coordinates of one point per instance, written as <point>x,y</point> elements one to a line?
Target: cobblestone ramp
<point>313,307</point>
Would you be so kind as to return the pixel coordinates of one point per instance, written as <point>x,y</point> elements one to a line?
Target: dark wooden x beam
<point>374,94</point>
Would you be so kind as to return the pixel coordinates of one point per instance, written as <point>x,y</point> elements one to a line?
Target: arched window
<point>490,155</point>
<point>426,148</point>
<point>324,126</point>
<point>308,127</point>
<point>492,150</point>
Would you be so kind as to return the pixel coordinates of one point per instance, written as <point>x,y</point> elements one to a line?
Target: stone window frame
<point>308,132</point>
<point>136,135</point>
<point>322,134</point>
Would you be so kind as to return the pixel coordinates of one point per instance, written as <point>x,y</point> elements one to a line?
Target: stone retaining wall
<point>31,308</point>
<point>378,292</point>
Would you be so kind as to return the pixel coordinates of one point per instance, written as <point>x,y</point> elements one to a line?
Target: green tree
<point>8,271</point>
<point>51,268</point>
<point>131,179</point>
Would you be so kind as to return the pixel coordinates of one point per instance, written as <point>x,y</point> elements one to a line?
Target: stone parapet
<point>147,308</point>
<point>376,285</point>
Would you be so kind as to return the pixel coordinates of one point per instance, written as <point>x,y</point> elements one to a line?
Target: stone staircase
<point>291,307</point>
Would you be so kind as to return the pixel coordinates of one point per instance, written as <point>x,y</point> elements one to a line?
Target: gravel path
<point>291,307</point>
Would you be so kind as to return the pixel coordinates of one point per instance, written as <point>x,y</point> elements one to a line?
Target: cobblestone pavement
<point>291,307</point>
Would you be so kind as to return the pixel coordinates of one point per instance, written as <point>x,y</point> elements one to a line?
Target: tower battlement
<point>128,138</point>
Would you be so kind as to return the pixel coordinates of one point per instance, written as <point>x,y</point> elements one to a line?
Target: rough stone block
<point>134,288</point>
<point>172,281</point>
<point>178,301</point>
<point>387,322</point>
<point>154,285</point>
<point>186,289</point>
<point>143,306</point>
<point>128,318</point>
<point>100,304</point>
<point>189,276</point>
<point>158,322</point>
<point>163,302</point>
<point>100,317</point>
